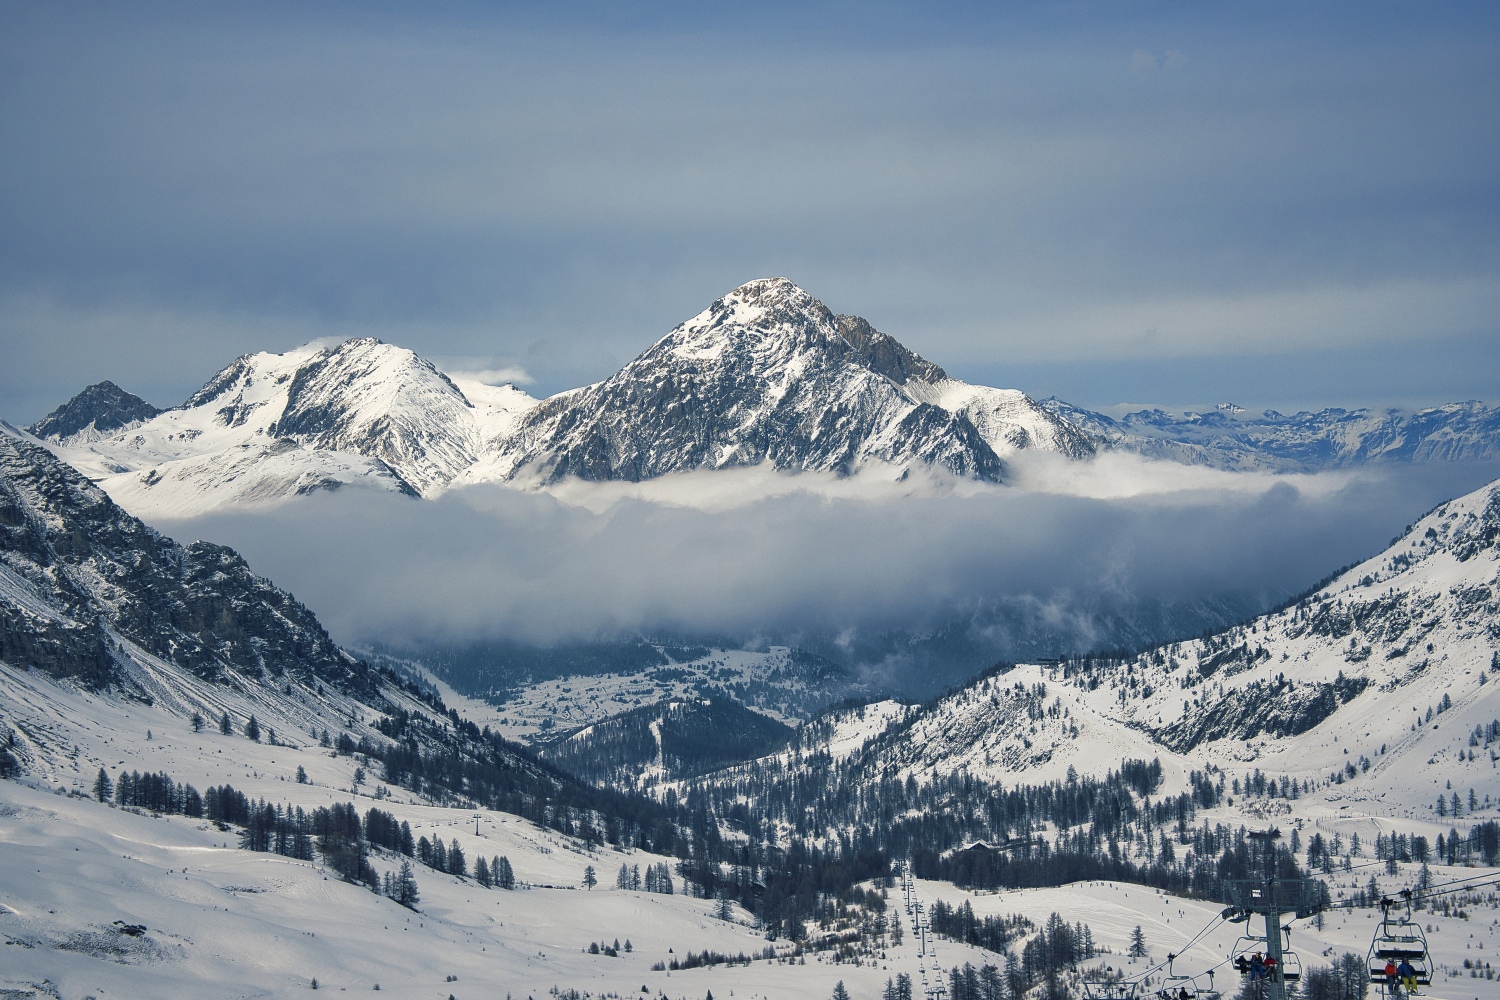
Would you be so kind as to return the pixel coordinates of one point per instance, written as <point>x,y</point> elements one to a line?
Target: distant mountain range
<point>766,376</point>
<point>1334,438</point>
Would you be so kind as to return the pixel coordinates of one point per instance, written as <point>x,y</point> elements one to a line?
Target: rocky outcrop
<point>77,569</point>
<point>94,412</point>
<point>767,374</point>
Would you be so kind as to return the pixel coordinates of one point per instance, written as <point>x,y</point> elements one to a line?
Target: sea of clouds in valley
<point>1069,557</point>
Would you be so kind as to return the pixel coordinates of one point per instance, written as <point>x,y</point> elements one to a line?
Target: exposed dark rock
<point>767,374</point>
<point>199,606</point>
<point>1279,708</point>
<point>101,407</point>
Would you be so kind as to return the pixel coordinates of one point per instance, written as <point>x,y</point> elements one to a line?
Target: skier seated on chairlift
<point>1408,976</point>
<point>1258,966</point>
<point>1243,964</point>
<point>1270,968</point>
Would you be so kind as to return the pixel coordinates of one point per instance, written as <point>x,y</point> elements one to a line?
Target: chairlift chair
<point>1247,945</point>
<point>1180,987</point>
<point>1109,989</point>
<point>1399,939</point>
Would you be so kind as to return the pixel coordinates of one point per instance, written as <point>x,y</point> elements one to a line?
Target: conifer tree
<point>406,887</point>
<point>103,787</point>
<point>482,871</point>
<point>226,726</point>
<point>197,721</point>
<point>252,729</point>
<point>589,878</point>
<point>1137,943</point>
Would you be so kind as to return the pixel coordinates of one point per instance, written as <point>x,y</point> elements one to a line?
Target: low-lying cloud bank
<point>1071,555</point>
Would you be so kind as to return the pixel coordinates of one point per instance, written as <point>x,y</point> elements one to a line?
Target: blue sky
<point>1288,205</point>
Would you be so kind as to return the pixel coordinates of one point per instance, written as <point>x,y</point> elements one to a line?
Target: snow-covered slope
<point>1374,685</point>
<point>1350,671</point>
<point>117,645</point>
<point>768,374</point>
<point>271,426</point>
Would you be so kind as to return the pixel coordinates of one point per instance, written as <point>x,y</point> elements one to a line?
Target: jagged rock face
<point>1277,708</point>
<point>94,412</point>
<point>884,355</point>
<point>1303,442</point>
<point>74,568</point>
<point>767,374</point>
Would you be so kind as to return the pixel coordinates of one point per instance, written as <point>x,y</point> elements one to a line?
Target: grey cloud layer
<point>183,185</point>
<point>495,563</point>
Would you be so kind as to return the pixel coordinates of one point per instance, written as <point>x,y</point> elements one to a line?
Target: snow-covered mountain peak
<point>774,319</point>
<point>96,411</point>
<point>762,297</point>
<point>769,374</point>
<point>269,426</point>
<point>763,321</point>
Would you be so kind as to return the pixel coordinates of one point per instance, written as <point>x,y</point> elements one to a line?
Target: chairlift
<point>1247,947</point>
<point>1180,987</point>
<point>1108,989</point>
<point>1399,939</point>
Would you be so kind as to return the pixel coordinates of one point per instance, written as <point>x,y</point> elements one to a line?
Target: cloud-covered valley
<point>1120,551</point>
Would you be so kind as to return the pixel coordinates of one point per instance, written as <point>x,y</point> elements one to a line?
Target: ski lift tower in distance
<point>1272,897</point>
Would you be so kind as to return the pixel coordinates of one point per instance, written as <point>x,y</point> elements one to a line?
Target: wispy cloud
<point>494,375</point>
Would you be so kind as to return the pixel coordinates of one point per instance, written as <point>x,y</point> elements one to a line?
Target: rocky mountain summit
<point>95,412</point>
<point>768,374</point>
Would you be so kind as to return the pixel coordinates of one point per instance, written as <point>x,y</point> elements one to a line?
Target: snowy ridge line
<point>767,376</point>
